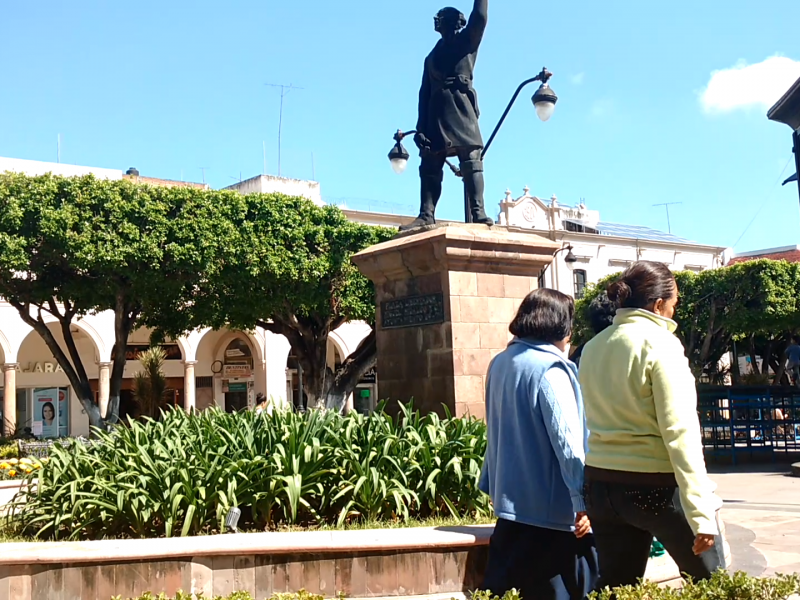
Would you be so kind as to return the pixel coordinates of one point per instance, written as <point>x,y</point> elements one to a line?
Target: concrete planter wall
<point>362,564</point>
<point>8,489</point>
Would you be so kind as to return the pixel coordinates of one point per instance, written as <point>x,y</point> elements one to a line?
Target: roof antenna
<point>285,89</point>
<point>667,205</point>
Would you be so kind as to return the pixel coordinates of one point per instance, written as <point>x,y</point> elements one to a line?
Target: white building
<point>264,184</point>
<point>601,248</point>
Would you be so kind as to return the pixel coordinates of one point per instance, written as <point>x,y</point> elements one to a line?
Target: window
<point>579,278</point>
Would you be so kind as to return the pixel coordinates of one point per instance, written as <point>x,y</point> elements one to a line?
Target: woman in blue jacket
<point>533,470</point>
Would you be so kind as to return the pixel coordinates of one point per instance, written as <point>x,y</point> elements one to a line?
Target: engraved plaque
<point>412,311</point>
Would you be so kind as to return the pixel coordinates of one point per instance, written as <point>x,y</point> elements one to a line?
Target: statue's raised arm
<point>477,22</point>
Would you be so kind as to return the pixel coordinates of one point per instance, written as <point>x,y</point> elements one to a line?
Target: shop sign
<point>370,376</point>
<point>236,370</point>
<point>237,387</point>
<point>40,367</point>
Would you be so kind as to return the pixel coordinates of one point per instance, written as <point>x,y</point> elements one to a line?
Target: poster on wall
<point>45,401</point>
<point>63,412</point>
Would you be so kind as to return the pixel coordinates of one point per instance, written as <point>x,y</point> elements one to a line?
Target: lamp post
<point>544,101</point>
<point>570,259</point>
<point>787,111</point>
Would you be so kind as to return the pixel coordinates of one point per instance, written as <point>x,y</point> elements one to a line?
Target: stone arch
<point>102,354</point>
<point>225,339</point>
<point>183,344</point>
<point>340,345</point>
<point>5,349</point>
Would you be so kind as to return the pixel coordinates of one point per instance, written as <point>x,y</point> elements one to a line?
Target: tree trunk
<point>73,368</point>
<point>124,318</point>
<point>766,356</point>
<point>347,376</point>
<point>752,348</point>
<point>736,374</point>
<point>323,387</point>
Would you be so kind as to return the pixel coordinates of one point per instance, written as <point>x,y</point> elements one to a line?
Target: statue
<point>448,113</point>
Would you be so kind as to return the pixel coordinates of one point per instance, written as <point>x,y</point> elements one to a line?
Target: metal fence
<point>41,448</point>
<point>756,422</point>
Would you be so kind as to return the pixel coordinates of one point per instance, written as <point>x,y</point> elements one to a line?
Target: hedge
<point>721,587</point>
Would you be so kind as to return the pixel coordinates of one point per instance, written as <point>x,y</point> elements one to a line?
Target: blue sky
<point>170,87</point>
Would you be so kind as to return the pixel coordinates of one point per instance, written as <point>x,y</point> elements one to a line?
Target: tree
<point>288,271</point>
<point>75,246</point>
<point>755,304</point>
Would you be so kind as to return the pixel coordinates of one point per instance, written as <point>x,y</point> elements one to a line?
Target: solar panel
<point>639,232</point>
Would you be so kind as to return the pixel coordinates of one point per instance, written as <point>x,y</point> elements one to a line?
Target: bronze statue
<point>448,113</point>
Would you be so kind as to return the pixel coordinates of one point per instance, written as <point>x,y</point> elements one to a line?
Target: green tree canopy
<point>74,246</point>
<point>288,270</point>
<point>756,302</point>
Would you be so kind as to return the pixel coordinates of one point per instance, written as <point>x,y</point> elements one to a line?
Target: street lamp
<point>544,101</point>
<point>570,259</point>
<point>787,111</point>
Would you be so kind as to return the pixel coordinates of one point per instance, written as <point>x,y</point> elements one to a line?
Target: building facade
<point>601,248</point>
<point>228,368</point>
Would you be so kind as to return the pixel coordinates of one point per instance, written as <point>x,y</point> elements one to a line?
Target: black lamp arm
<point>544,76</point>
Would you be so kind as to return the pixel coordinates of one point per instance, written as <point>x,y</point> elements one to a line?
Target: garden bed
<point>359,564</point>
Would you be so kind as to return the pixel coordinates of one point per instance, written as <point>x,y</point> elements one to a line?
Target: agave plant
<point>180,475</point>
<point>150,384</point>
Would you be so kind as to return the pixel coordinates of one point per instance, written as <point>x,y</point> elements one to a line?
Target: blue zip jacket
<point>536,445</point>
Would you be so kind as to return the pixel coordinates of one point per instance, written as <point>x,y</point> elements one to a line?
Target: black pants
<point>625,517</point>
<point>542,564</point>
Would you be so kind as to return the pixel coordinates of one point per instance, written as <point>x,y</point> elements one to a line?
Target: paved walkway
<point>762,517</point>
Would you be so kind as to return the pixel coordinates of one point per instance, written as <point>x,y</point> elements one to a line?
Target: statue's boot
<point>472,171</point>
<point>431,191</point>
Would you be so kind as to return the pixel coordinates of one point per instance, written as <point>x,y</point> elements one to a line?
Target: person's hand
<point>422,142</point>
<point>702,543</point>
<point>582,525</point>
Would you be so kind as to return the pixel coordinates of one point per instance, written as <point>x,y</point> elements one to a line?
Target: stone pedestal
<point>445,296</point>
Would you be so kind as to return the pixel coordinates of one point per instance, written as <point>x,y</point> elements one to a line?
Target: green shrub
<point>722,586</point>
<point>180,475</point>
<point>301,595</point>
<point>8,449</point>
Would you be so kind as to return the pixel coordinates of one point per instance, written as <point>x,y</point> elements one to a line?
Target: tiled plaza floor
<point>762,517</point>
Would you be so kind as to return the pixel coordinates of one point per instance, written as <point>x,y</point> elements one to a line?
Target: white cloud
<point>746,86</point>
<point>577,79</point>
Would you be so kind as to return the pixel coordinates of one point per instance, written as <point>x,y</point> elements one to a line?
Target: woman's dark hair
<point>544,315</point>
<point>51,406</point>
<point>642,284</point>
<point>601,313</point>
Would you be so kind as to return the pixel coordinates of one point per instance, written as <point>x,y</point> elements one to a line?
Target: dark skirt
<point>541,564</point>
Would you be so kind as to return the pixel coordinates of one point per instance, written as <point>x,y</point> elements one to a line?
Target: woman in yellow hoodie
<point>645,471</point>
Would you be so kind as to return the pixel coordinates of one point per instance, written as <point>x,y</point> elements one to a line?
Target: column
<point>189,397</point>
<point>104,388</point>
<point>10,399</point>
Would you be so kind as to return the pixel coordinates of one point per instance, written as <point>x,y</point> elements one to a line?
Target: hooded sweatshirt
<point>536,436</point>
<point>641,409</point>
